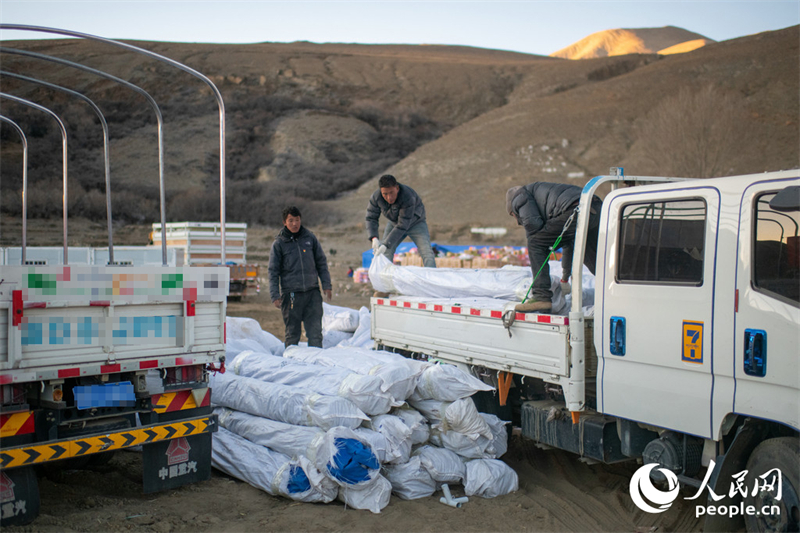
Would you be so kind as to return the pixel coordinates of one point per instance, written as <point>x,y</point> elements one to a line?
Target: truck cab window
<point>662,242</point>
<point>776,250</point>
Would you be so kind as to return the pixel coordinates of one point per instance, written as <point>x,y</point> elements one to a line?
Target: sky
<point>530,26</point>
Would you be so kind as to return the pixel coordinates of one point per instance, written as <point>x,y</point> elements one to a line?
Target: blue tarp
<point>353,463</point>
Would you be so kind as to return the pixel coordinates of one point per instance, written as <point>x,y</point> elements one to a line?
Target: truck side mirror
<point>786,200</point>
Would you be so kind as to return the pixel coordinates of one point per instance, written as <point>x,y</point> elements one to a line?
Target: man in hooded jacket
<point>297,264</point>
<point>542,209</point>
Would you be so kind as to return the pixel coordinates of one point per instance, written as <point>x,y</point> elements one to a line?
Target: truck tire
<point>781,453</point>
<point>19,496</point>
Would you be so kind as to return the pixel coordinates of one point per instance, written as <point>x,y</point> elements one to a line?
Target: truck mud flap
<point>594,436</point>
<point>19,496</point>
<point>173,463</point>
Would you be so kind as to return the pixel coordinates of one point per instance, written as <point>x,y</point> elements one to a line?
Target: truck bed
<point>534,345</point>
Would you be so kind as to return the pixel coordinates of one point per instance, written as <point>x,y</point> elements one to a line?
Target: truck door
<point>767,321</point>
<point>657,311</point>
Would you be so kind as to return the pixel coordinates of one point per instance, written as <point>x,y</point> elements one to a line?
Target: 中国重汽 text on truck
<point>690,356</point>
<point>97,358</point>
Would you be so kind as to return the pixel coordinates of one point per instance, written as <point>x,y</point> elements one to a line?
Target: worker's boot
<point>534,306</point>
<point>379,294</point>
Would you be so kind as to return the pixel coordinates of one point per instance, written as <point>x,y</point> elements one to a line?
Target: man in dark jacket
<point>297,264</point>
<point>543,209</point>
<point>405,215</point>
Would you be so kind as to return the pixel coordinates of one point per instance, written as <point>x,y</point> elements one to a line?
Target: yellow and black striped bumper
<point>31,454</point>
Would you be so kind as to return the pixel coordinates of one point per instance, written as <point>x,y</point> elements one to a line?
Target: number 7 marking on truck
<point>692,342</point>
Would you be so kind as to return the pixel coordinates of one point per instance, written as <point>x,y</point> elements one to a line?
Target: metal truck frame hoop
<point>24,140</point>
<point>63,157</point>
<point>103,123</point>
<point>159,129</point>
<point>180,66</point>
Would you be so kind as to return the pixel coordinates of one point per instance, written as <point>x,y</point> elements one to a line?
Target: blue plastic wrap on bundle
<point>353,462</point>
<point>298,481</point>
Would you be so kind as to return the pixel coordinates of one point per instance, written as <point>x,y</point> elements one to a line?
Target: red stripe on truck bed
<point>69,372</point>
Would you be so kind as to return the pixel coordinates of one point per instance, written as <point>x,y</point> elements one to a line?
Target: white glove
<point>375,245</point>
<point>381,250</point>
<point>566,288</point>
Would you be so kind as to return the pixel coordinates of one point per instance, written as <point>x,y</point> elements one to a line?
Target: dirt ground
<point>557,492</point>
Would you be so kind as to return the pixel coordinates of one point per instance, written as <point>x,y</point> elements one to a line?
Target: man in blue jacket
<point>297,264</point>
<point>542,209</point>
<point>405,216</point>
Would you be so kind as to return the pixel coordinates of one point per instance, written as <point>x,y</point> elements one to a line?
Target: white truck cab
<point>690,356</point>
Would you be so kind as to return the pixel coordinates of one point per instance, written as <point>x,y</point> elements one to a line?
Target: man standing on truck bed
<point>542,209</point>
<point>405,215</point>
<point>297,263</point>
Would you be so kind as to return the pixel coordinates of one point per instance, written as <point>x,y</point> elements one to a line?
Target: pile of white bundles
<point>499,288</point>
<point>351,423</point>
<point>342,326</point>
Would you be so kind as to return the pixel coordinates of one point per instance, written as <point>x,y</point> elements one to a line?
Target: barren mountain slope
<point>628,41</point>
<point>284,105</point>
<point>559,124</point>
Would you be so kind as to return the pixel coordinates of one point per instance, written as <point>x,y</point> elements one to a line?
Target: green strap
<point>555,245</point>
<point>552,249</point>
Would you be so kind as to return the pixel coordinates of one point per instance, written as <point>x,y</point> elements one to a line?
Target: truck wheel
<point>781,453</point>
<point>19,496</point>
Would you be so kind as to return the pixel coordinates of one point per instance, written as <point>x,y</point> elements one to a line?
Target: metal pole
<point>24,180</point>
<point>159,122</point>
<point>106,156</point>
<point>63,157</point>
<point>176,64</point>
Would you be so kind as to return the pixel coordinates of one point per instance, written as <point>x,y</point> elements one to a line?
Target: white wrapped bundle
<point>273,472</point>
<point>333,338</point>
<point>234,347</point>
<point>279,436</point>
<point>284,403</point>
<point>364,391</point>
<point>489,478</point>
<point>410,481</point>
<point>463,445</point>
<point>362,337</point>
<point>418,424</point>
<point>346,458</point>
<point>398,379</point>
<point>338,453</point>
<point>398,436</point>
<point>507,283</point>
<point>335,318</point>
<point>240,328</point>
<point>460,415</point>
<point>373,497</point>
<point>378,443</point>
<point>443,465</point>
<point>499,445</point>
<point>447,383</point>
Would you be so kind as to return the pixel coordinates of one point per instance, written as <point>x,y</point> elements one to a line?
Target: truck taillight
<point>13,394</point>
<point>184,374</point>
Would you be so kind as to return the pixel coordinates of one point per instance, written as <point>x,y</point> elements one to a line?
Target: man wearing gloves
<point>297,264</point>
<point>405,215</point>
<point>543,209</point>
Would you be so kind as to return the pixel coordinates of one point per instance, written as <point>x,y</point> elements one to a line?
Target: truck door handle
<point>617,335</point>
<point>755,352</point>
